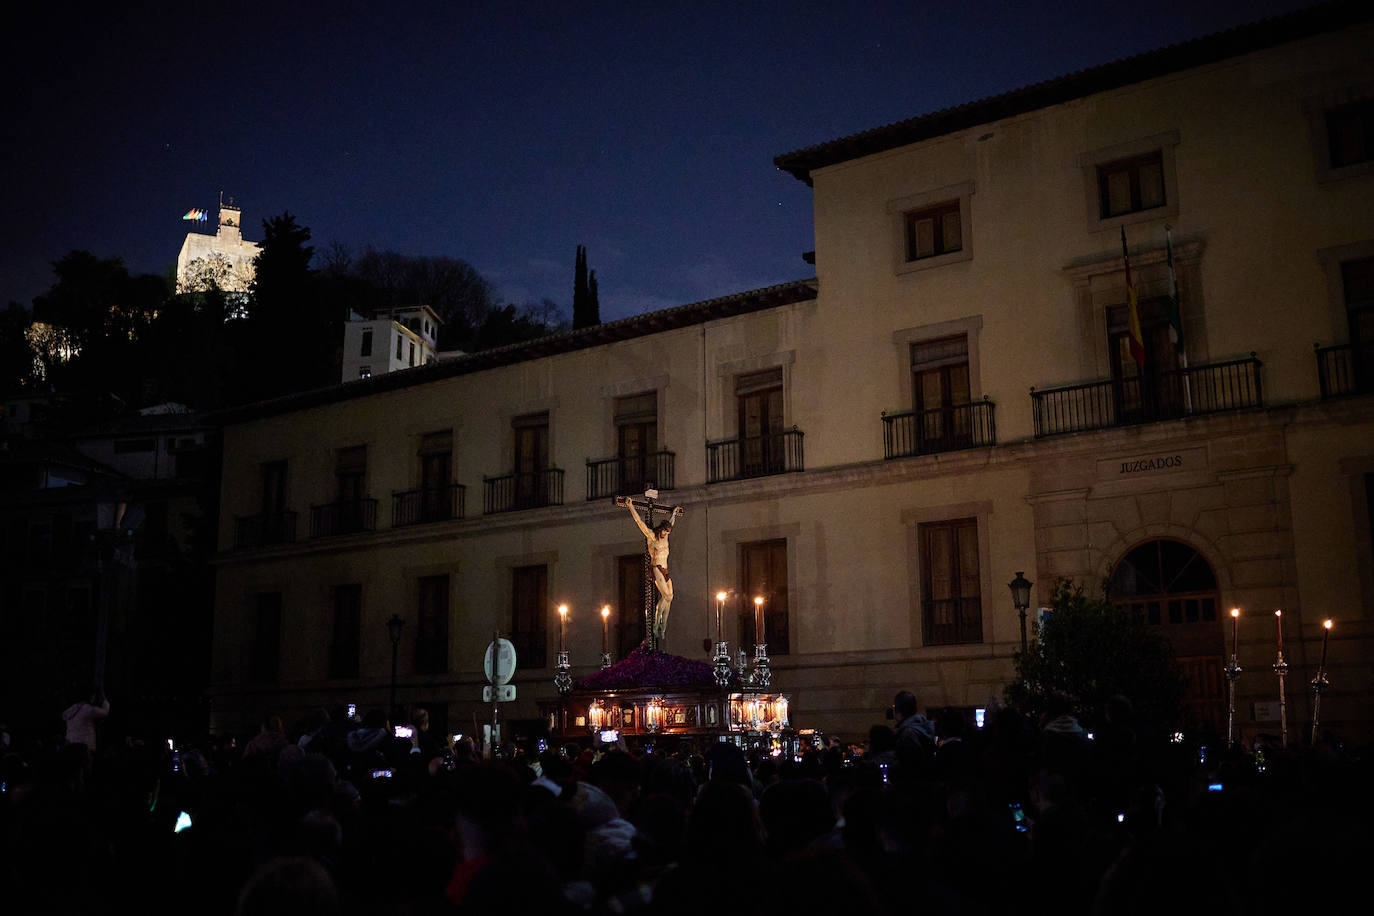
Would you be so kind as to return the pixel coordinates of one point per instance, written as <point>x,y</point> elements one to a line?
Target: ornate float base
<point>652,698</point>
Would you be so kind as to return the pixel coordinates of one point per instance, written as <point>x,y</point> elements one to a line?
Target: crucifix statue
<point>655,559</point>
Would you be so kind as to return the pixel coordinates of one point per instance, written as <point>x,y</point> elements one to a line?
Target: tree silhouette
<point>586,309</point>
<point>1091,649</point>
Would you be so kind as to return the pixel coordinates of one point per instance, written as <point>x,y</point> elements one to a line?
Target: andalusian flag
<point>1175,314</point>
<point>1132,309</point>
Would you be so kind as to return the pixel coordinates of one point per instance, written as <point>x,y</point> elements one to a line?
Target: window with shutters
<point>951,600</point>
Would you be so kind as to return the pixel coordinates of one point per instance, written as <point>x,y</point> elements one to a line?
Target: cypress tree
<point>586,309</point>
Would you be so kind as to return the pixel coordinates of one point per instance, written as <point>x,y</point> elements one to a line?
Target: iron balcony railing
<point>350,517</point>
<point>428,504</point>
<point>264,530</point>
<point>619,476</point>
<point>1197,390</point>
<point>1344,369</point>
<point>945,429</point>
<point>754,456</point>
<point>523,490</point>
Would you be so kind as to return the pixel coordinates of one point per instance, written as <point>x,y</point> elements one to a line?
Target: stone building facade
<point>879,450</point>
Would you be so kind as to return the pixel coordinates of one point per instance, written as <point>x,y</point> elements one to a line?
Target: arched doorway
<point>1172,586</point>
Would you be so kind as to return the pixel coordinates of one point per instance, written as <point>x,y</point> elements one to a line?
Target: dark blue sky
<point>504,134</point>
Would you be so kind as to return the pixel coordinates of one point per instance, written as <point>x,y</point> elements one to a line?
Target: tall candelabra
<point>1281,669</point>
<point>1319,683</point>
<point>1232,672</point>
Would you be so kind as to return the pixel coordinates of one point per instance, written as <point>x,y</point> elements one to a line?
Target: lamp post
<point>393,629</point>
<point>1020,599</point>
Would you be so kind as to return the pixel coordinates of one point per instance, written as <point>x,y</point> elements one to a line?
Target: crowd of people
<point>345,815</point>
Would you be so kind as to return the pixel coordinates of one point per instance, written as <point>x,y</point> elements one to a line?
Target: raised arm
<point>639,521</point>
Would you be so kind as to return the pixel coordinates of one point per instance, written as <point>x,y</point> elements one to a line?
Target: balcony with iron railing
<point>754,456</point>
<point>944,429</point>
<point>265,530</point>
<point>632,474</point>
<point>1345,369</point>
<point>428,504</point>
<point>522,490</point>
<point>351,517</point>
<point>1194,391</point>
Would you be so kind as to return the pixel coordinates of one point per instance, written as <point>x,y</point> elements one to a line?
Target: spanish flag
<point>1132,309</point>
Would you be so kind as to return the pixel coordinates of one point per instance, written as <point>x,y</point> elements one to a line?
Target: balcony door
<point>636,432</point>
<point>940,384</point>
<point>436,477</point>
<point>1155,390</point>
<point>1357,277</point>
<point>760,423</point>
<point>531,459</point>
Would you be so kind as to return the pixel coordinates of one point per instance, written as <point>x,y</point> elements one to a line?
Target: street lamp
<point>393,629</point>
<point>1020,599</point>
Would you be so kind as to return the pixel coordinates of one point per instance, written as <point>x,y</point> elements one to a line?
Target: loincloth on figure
<point>664,570</point>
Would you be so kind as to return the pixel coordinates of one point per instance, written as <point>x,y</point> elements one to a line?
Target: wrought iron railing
<point>524,490</point>
<point>1343,370</point>
<point>350,517</point>
<point>1197,390</point>
<point>754,456</point>
<point>428,504</point>
<point>952,621</point>
<point>264,530</point>
<point>945,429</point>
<point>620,476</point>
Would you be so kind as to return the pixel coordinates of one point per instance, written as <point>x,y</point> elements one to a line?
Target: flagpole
<point>1176,320</point>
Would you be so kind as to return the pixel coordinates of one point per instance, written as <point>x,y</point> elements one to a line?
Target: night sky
<point>504,134</point>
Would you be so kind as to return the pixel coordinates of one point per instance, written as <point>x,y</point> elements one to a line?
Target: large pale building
<point>878,451</point>
<point>224,259</point>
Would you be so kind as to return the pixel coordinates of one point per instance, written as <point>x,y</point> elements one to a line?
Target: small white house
<point>390,340</point>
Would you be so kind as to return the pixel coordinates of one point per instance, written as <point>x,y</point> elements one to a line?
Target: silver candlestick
<point>605,660</point>
<point>762,674</point>
<point>721,669</point>
<point>562,674</point>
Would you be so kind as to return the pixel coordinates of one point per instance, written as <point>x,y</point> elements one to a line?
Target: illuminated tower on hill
<point>224,259</point>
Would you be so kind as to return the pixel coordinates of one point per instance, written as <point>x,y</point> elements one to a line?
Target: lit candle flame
<point>1327,623</point>
<point>605,610</point>
<point>1235,612</point>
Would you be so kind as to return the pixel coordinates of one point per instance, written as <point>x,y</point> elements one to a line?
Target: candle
<point>720,612</point>
<point>1278,616</point>
<point>562,627</point>
<point>1235,630</point>
<point>1326,633</point>
<point>758,620</point>
<point>605,629</point>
